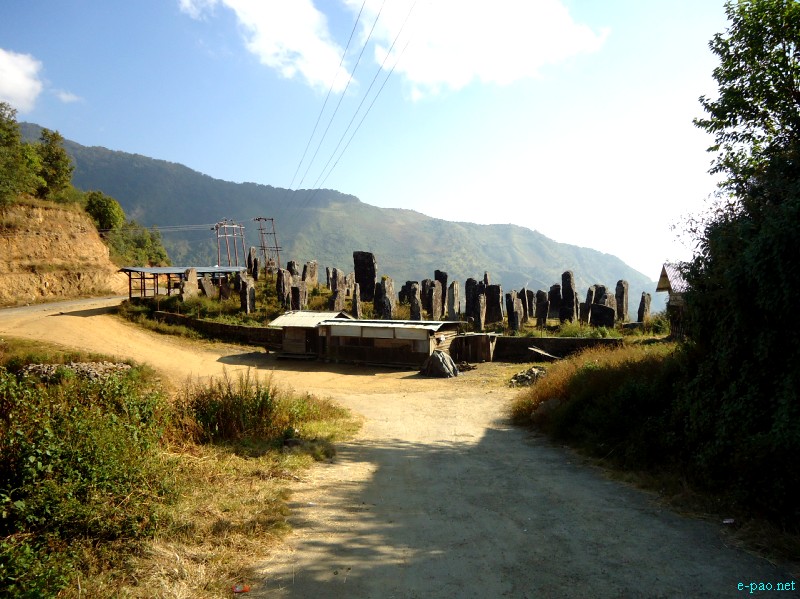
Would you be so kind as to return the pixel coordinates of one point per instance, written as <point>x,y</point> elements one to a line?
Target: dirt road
<point>439,496</point>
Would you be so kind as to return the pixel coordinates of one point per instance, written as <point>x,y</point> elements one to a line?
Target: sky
<point>569,117</point>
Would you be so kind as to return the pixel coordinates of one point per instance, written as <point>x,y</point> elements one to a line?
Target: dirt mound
<point>50,252</point>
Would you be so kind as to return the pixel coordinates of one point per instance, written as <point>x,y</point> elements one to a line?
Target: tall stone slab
<point>426,294</point>
<point>602,315</point>
<point>350,283</point>
<point>531,297</point>
<point>554,296</point>
<point>644,307</point>
<point>441,276</point>
<point>569,298</point>
<point>247,295</point>
<point>622,300</point>
<point>208,287</point>
<point>471,299</point>
<point>283,287</point>
<point>480,313</point>
<point>523,298</point>
<point>310,274</point>
<point>366,269</point>
<point>384,302</point>
<point>336,303</point>
<point>486,281</point>
<point>189,286</point>
<point>542,308</point>
<point>327,277</point>
<point>414,301</point>
<point>294,270</point>
<point>299,297</point>
<point>356,307</point>
<point>494,304</point>
<point>436,301</point>
<point>338,280</point>
<point>514,311</point>
<point>453,302</point>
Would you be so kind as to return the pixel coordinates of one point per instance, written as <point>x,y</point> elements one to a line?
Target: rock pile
<point>526,378</point>
<point>92,371</point>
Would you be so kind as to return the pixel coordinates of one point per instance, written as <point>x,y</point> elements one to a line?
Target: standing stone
<point>366,269</point>
<point>486,281</point>
<point>404,295</point>
<point>299,298</point>
<point>224,288</point>
<point>510,297</point>
<point>256,269</point>
<point>436,301</point>
<point>586,307</point>
<point>414,301</point>
<point>555,301</point>
<point>480,312</point>
<point>350,283</point>
<point>569,298</point>
<point>453,302</point>
<point>531,299</point>
<point>426,294</point>
<point>644,307</point>
<point>310,274</point>
<point>542,308</point>
<point>283,287</point>
<point>441,276</point>
<point>337,280</point>
<point>251,255</point>
<point>356,308</point>
<point>471,299</point>
<point>208,287</point>
<point>514,310</point>
<point>189,287</point>
<point>602,315</point>
<point>294,271</point>
<point>247,295</point>
<point>327,277</point>
<point>622,300</point>
<point>523,298</point>
<point>337,300</point>
<point>494,304</point>
<point>384,301</point>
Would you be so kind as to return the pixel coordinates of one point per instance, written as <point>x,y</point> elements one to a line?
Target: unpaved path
<point>438,496</point>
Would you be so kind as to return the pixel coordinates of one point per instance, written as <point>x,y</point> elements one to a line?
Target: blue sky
<point>570,117</point>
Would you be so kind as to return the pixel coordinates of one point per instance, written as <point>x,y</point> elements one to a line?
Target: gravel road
<point>438,496</point>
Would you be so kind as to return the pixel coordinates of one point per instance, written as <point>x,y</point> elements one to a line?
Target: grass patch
<point>626,409</point>
<point>110,488</point>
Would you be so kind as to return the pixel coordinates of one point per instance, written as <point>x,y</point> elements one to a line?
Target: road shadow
<point>88,313</point>
<point>506,515</point>
<point>272,361</point>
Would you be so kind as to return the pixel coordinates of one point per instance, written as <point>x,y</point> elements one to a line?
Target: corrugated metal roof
<point>429,325</point>
<point>308,318</point>
<point>671,279</point>
<point>179,270</point>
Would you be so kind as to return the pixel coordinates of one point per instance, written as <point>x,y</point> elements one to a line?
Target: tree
<point>19,163</point>
<point>742,390</point>
<point>757,113</point>
<point>105,211</point>
<point>56,165</point>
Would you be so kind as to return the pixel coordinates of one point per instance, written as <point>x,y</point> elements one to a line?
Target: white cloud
<point>19,79</point>
<point>67,97</point>
<point>291,37</point>
<point>452,43</point>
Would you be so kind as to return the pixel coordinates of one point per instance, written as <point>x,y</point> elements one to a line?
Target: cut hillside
<point>50,252</point>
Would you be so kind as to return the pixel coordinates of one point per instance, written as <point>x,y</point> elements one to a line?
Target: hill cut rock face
<point>49,253</point>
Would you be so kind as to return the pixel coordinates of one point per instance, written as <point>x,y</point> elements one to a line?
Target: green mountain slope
<point>327,226</point>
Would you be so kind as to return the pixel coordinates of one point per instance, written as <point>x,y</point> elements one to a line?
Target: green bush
<point>81,463</point>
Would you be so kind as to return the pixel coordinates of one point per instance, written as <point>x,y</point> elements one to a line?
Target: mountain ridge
<point>327,225</point>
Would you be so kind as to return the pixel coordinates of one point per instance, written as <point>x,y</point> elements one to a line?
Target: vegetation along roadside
<point>108,486</point>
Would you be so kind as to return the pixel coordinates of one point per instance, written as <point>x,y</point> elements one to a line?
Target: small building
<point>300,336</point>
<point>404,343</point>
<point>672,281</point>
<point>150,281</point>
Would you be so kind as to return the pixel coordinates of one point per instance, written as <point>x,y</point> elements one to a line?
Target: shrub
<point>80,462</point>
